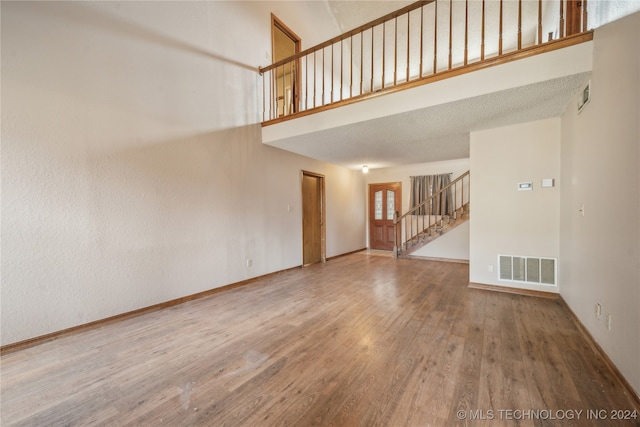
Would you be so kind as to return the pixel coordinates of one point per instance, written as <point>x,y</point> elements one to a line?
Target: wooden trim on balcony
<point>348,34</point>
<point>486,63</point>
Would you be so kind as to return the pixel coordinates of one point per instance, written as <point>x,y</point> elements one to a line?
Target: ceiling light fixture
<point>365,168</point>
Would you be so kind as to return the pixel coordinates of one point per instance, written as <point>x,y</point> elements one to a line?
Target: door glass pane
<point>378,205</point>
<point>391,203</point>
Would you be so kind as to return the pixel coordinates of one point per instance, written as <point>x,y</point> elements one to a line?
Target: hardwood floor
<point>361,340</point>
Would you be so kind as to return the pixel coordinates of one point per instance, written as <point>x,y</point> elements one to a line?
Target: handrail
<point>404,224</point>
<point>412,46</point>
<point>433,196</point>
<point>347,35</point>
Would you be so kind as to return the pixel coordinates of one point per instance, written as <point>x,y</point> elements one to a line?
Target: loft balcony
<point>445,67</point>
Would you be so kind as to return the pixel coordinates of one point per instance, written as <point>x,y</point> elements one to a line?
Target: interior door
<point>384,202</point>
<point>313,239</point>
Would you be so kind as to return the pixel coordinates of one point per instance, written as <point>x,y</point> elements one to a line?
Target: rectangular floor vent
<point>527,269</point>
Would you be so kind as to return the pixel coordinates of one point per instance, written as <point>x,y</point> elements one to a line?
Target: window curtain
<point>424,187</point>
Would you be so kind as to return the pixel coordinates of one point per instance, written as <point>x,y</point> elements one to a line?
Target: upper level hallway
<point>410,86</point>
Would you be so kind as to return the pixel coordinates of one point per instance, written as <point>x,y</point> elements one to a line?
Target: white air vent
<point>527,269</point>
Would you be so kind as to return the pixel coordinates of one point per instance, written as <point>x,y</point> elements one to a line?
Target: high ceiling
<point>436,133</point>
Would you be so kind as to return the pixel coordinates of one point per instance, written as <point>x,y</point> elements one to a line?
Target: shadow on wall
<point>180,192</point>
<point>95,17</point>
<point>113,79</point>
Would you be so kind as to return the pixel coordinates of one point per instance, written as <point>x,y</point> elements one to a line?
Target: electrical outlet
<point>609,322</point>
<point>490,268</point>
<point>249,262</point>
<point>598,310</point>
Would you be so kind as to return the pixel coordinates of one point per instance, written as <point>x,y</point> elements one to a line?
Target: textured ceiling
<point>435,133</point>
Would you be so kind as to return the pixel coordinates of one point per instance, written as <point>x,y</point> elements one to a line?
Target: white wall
<point>600,251</point>
<point>503,219</point>
<point>403,175</point>
<point>452,245</point>
<point>133,171</point>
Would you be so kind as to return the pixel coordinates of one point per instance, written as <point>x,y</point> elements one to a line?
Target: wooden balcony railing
<point>425,41</point>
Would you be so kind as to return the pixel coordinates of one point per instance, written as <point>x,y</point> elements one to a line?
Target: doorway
<point>313,218</point>
<point>384,202</point>
<point>284,44</point>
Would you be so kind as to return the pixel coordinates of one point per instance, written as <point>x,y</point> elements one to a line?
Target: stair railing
<point>425,41</point>
<point>428,217</point>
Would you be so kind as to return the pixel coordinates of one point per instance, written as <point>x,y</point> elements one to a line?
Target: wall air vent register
<point>524,269</point>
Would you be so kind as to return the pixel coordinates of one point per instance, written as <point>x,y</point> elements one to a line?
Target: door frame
<point>276,23</point>
<point>323,221</point>
<point>369,201</point>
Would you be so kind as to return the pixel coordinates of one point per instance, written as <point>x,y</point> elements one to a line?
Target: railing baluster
<point>361,61</point>
<point>539,21</point>
<point>406,228</point>
<point>421,39</point>
<point>351,69</point>
<point>384,46</point>
<point>264,98</point>
<point>455,201</point>
<point>341,71</point>
<point>561,18</point>
<point>463,195</point>
<point>372,44</point>
<point>435,40</point>
<point>482,35</point>
<point>294,102</point>
<point>500,32</point>
<point>408,43</point>
<point>466,31</point>
<point>282,92</point>
<point>450,33</point>
<point>395,52</point>
<point>412,233</point>
<point>273,112</point>
<point>278,112</point>
<point>519,24</point>
<point>323,74</point>
<point>332,74</point>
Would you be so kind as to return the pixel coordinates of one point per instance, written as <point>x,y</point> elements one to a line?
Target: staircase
<point>415,229</point>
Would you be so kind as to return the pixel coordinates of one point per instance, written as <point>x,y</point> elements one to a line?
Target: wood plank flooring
<point>362,340</point>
